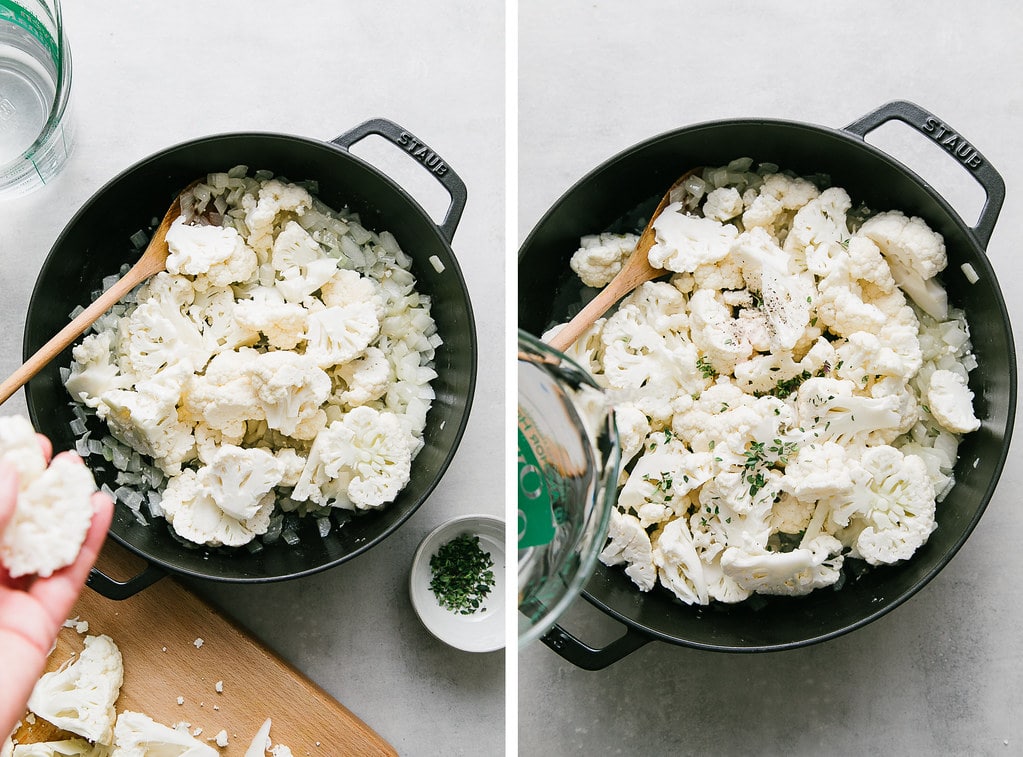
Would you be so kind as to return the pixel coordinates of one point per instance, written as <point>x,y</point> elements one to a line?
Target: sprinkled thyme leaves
<point>760,456</point>
<point>706,368</point>
<point>462,575</point>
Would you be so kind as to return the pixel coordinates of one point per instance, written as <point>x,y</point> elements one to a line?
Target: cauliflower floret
<point>94,369</point>
<point>291,464</point>
<point>63,748</point>
<point>951,402</point>
<point>158,337</point>
<point>723,204</point>
<point>301,265</point>
<point>818,471</point>
<point>829,410</point>
<point>600,257</point>
<point>275,198</point>
<point>915,253</point>
<point>679,567</point>
<point>633,427</point>
<point>362,380</point>
<point>217,252</point>
<point>778,194</point>
<point>893,511</point>
<point>289,391</point>
<point>339,334</point>
<point>715,333</point>
<point>51,517</point>
<point>19,447</point>
<point>795,573</point>
<point>239,479</point>
<point>146,418</point>
<point>630,545</point>
<point>223,397</point>
<point>194,514</point>
<point>909,240</point>
<point>214,311</point>
<point>79,696</point>
<point>786,295</point>
<point>282,323</point>
<point>684,242</point>
<point>363,461</point>
<point>138,735</point>
<point>821,221</point>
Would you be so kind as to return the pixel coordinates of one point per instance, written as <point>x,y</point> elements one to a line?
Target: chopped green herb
<point>706,368</point>
<point>462,575</point>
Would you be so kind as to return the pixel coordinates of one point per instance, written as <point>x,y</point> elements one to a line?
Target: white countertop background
<point>147,76</point>
<point>943,673</point>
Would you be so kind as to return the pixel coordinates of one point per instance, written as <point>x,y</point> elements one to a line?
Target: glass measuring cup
<point>567,471</point>
<point>35,88</point>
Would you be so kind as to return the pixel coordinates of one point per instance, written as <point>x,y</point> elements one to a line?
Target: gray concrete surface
<point>942,674</point>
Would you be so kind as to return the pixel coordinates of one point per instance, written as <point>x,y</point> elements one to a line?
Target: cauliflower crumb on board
<point>792,396</point>
<point>53,509</point>
<point>280,367</point>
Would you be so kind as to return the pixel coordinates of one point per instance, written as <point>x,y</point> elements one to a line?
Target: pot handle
<point>420,152</point>
<point>589,658</point>
<point>113,589</point>
<point>957,147</point>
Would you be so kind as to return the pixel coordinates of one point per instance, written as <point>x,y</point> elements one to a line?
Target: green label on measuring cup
<point>536,511</point>
<point>13,12</point>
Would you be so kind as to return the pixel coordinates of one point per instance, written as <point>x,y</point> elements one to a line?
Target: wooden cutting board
<point>156,631</point>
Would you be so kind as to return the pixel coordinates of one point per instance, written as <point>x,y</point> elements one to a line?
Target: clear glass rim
<point>16,169</point>
<point>602,512</point>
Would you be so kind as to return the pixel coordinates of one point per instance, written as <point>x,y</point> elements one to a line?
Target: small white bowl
<point>481,631</point>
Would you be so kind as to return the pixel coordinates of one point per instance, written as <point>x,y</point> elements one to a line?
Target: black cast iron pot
<point>95,243</point>
<point>635,179</point>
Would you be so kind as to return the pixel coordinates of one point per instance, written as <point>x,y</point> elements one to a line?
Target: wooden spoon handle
<point>153,260</point>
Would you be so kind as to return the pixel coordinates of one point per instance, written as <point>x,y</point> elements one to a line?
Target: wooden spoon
<point>153,260</point>
<point>636,270</point>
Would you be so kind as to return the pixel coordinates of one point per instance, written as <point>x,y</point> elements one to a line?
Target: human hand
<point>33,609</point>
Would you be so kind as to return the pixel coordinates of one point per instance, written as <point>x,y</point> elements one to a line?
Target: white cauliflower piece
<point>19,447</point>
<point>633,427</point>
<point>793,573</point>
<point>818,471</point>
<point>786,295</point>
<point>778,194</point>
<point>908,240</point>
<point>893,511</point>
<point>146,418</point>
<point>601,256</point>
<point>723,204</point>
<point>362,461</point>
<point>339,334</point>
<point>193,512</point>
<point>79,696</point>
<point>223,397</point>
<point>138,735</point>
<point>915,253</point>
<point>157,336</point>
<point>301,265</point>
<point>94,369</point>
<point>951,402</point>
<point>684,242</point>
<point>821,221</point>
<point>275,201</point>
<point>363,380</point>
<point>829,410</point>
<point>679,567</point>
<point>63,748</point>
<point>630,545</point>
<point>716,334</point>
<point>282,323</point>
<point>290,388</point>
<point>217,252</point>
<point>239,479</point>
<point>51,517</point>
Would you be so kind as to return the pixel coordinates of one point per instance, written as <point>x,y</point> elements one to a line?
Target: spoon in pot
<point>153,260</point>
<point>636,270</point>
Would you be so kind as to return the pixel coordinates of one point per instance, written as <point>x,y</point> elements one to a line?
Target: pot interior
<point>620,194</point>
<point>95,244</point>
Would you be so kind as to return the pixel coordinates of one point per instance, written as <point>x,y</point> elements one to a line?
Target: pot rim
<point>577,652</point>
<point>157,565</point>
